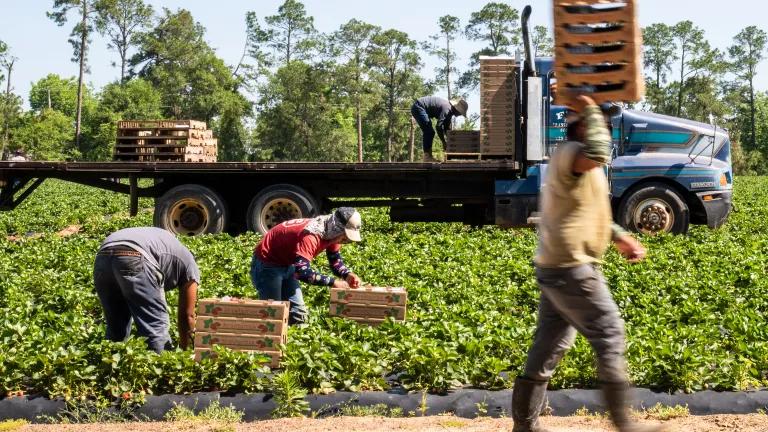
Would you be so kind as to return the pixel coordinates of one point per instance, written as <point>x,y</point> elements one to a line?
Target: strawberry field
<point>695,309</point>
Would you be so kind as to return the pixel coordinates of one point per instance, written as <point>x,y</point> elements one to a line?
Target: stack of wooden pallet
<point>598,51</point>
<point>498,91</point>
<point>369,305</point>
<point>462,142</point>
<point>241,325</point>
<point>165,141</point>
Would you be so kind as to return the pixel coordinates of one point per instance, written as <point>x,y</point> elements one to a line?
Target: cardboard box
<point>370,295</point>
<point>211,324</point>
<point>274,357</point>
<point>367,311</point>
<point>239,341</point>
<point>244,308</point>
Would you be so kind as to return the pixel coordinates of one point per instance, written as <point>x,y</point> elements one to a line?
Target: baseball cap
<point>350,220</point>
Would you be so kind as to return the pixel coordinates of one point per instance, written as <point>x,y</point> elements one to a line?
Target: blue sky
<point>42,47</point>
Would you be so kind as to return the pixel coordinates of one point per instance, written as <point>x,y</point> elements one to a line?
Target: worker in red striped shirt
<point>283,258</point>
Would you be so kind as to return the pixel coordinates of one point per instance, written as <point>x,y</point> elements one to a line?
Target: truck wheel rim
<point>654,216</point>
<point>278,210</point>
<point>188,217</point>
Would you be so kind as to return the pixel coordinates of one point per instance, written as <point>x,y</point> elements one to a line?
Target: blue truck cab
<point>666,173</point>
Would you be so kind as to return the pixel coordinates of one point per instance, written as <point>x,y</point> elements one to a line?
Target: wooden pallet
<point>165,140</point>
<point>161,124</point>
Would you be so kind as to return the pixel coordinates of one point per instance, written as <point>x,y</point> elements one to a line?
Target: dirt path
<point>741,423</point>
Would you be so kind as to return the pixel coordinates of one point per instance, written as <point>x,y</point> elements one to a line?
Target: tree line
<point>300,94</point>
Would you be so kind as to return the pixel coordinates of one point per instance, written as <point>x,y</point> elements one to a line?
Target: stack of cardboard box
<point>241,325</point>
<point>498,95</point>
<point>369,305</point>
<point>598,51</point>
<point>462,142</point>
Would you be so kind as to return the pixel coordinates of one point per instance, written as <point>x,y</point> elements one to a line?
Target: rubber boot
<point>428,157</point>
<point>617,399</point>
<point>528,399</point>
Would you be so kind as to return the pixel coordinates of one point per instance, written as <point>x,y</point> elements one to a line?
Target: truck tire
<point>654,208</point>
<point>279,203</point>
<point>191,210</point>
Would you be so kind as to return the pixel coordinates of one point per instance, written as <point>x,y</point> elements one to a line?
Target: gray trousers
<point>576,299</point>
<point>129,290</point>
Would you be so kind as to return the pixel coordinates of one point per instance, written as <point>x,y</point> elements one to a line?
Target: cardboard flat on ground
<point>386,296</point>
<point>239,341</point>
<point>243,308</point>
<point>211,324</point>
<point>367,311</point>
<point>274,357</point>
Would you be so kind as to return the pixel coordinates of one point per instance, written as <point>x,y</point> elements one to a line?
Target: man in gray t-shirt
<point>133,269</point>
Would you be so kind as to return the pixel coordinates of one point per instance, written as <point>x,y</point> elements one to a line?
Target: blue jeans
<point>422,118</point>
<point>279,283</point>
<point>129,290</point>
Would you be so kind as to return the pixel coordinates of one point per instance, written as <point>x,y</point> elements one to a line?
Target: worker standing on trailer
<point>133,269</point>
<point>432,107</point>
<point>575,229</point>
<point>283,258</point>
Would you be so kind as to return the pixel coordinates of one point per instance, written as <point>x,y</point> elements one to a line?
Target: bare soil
<point>740,423</point>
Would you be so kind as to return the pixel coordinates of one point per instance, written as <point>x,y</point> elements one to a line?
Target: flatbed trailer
<point>196,198</point>
<point>666,173</point>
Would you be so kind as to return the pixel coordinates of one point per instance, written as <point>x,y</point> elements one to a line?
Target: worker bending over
<point>283,258</point>
<point>433,107</point>
<point>133,269</point>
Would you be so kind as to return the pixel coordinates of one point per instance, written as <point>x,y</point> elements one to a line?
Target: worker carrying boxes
<point>241,325</point>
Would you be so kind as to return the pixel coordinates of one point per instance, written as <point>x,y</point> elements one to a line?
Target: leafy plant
<point>289,396</point>
<point>694,309</point>
<point>212,413</point>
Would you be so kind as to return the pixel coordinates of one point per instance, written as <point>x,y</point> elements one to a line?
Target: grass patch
<point>661,412</point>
<point>378,410</point>
<point>585,412</point>
<point>452,423</point>
<point>213,413</point>
<point>12,425</point>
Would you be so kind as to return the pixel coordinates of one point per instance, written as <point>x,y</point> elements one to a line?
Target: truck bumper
<point>717,206</point>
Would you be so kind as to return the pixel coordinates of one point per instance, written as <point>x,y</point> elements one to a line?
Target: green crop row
<point>695,309</point>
